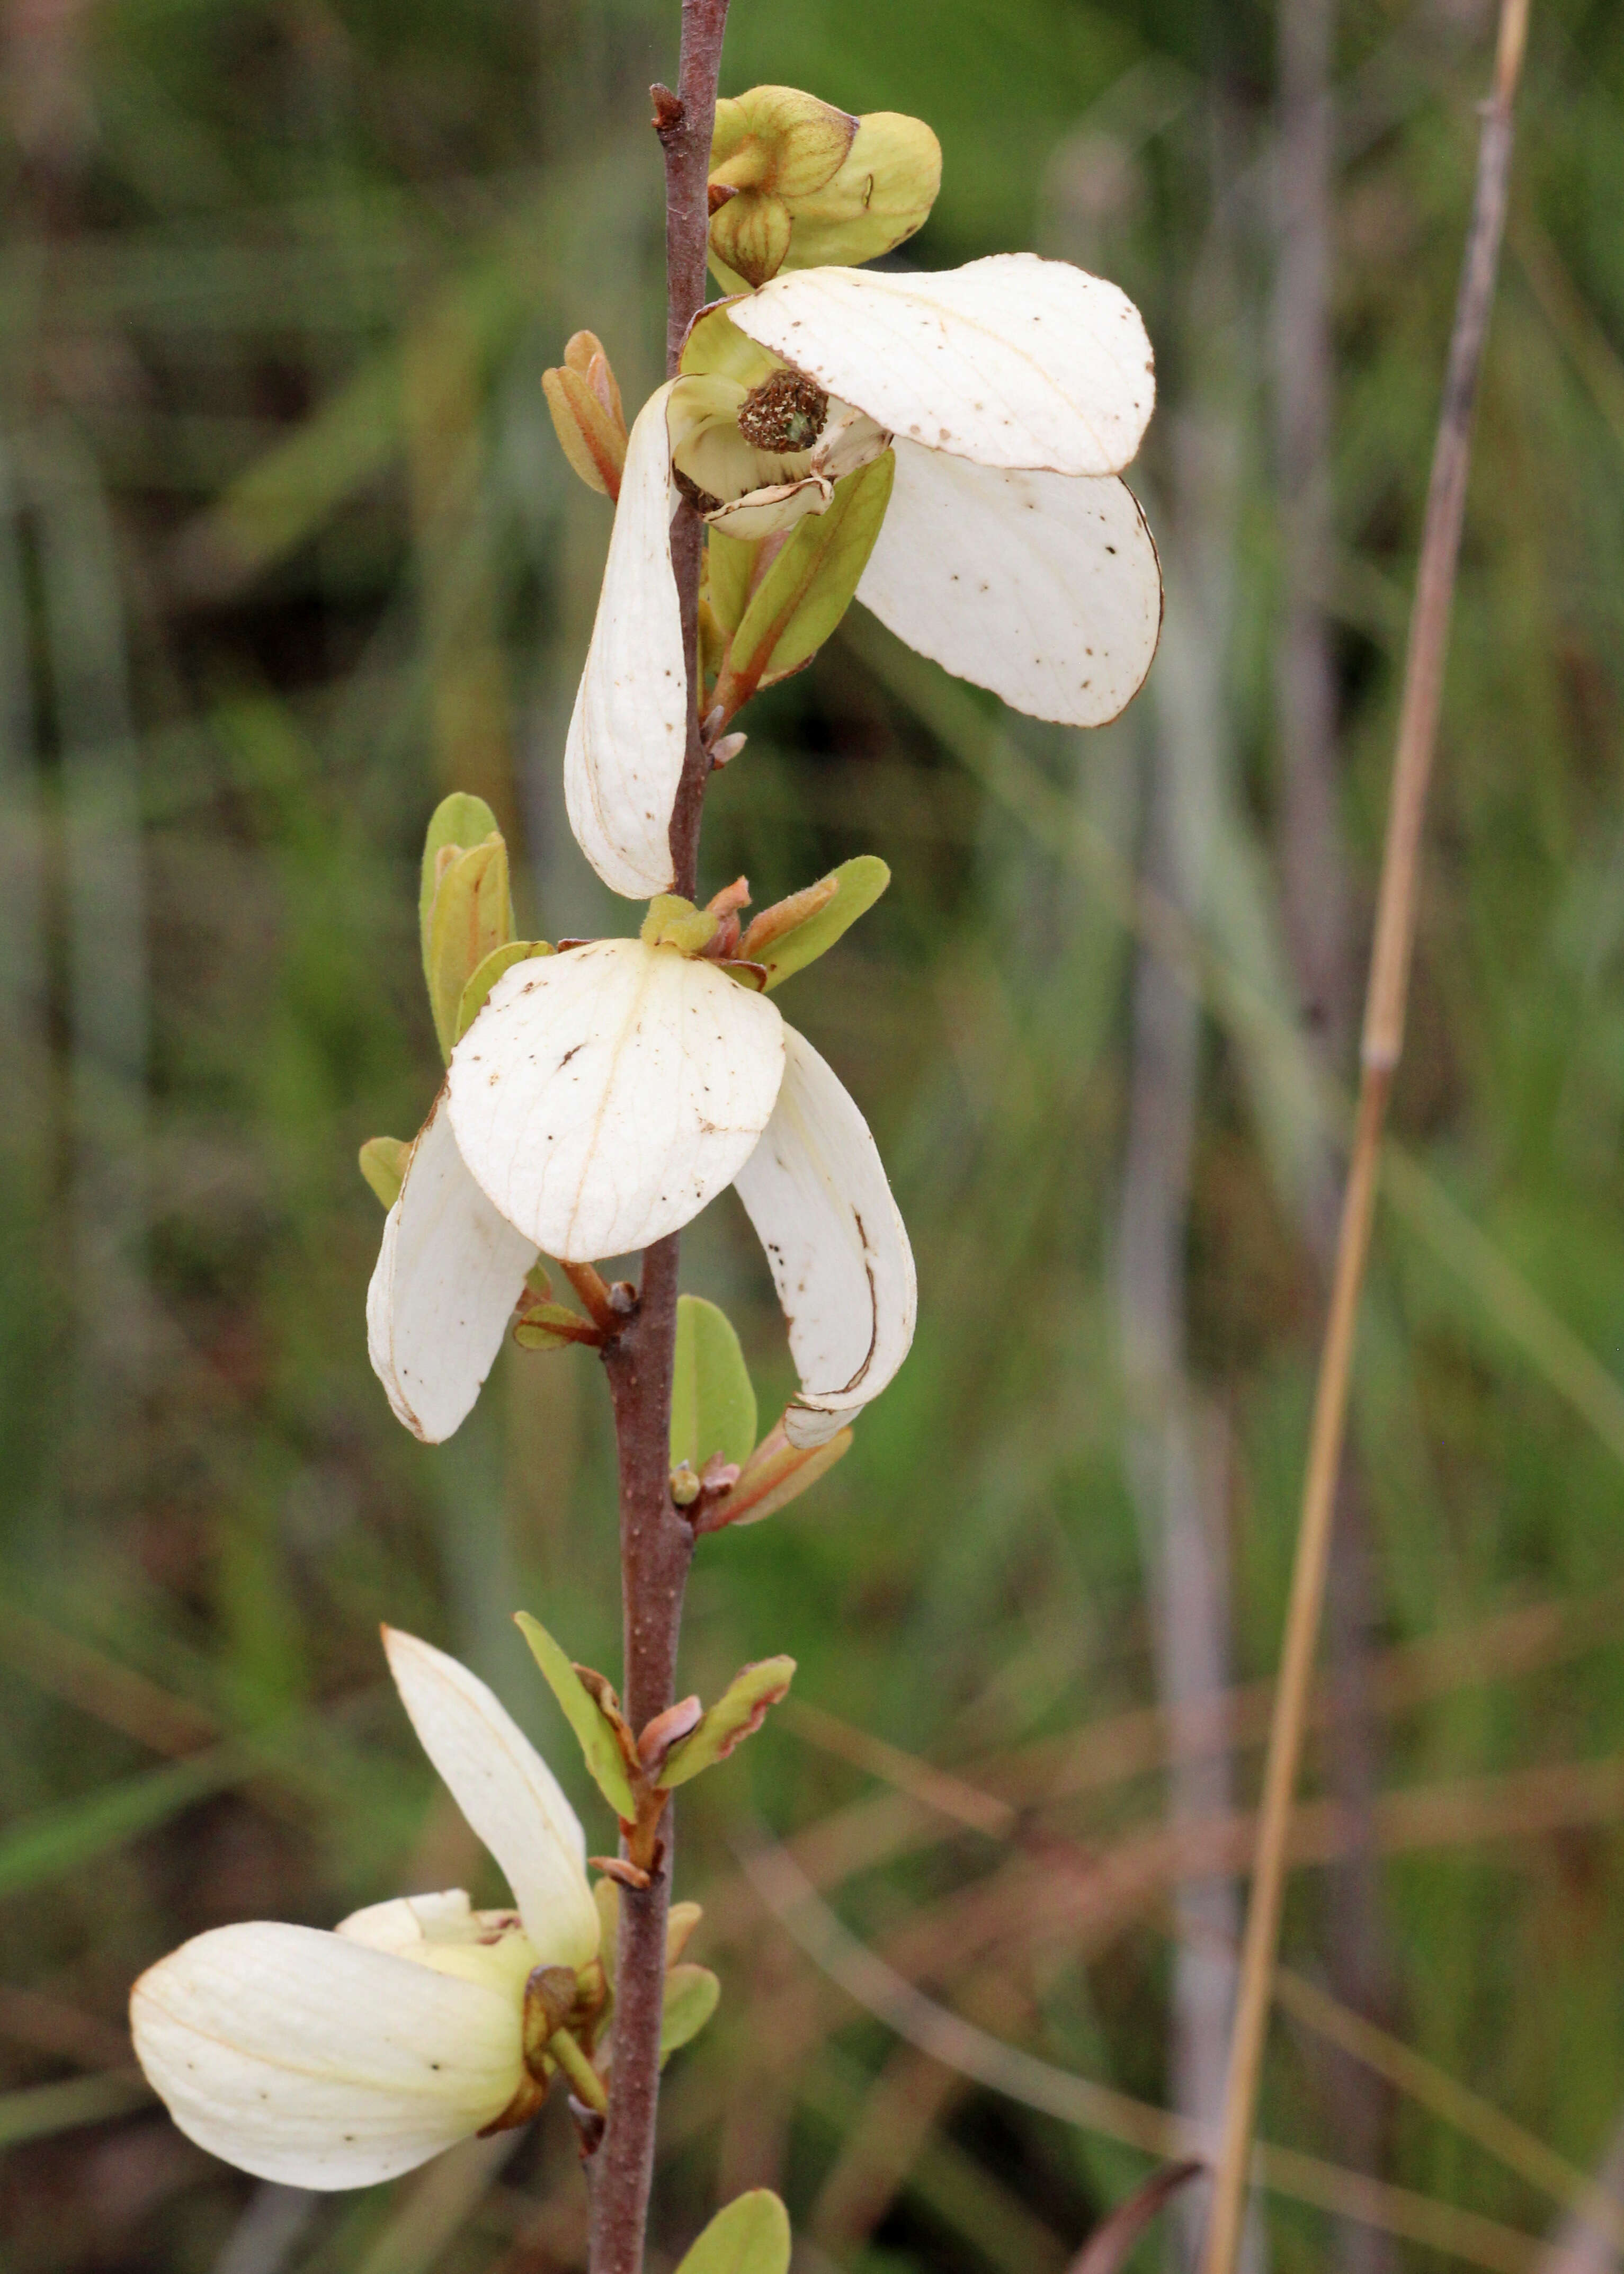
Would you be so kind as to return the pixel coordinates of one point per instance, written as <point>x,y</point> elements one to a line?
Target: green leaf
<point>809,586</point>
<point>691,1995</point>
<point>737,1714</point>
<point>712,1398</point>
<point>383,1164</point>
<point>593,1730</point>
<point>472,916</point>
<point>485,977</point>
<point>858,884</point>
<point>750,2236</point>
<point>456,820</point>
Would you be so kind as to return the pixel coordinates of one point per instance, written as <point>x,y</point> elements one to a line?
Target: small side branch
<point>1383,1040</point>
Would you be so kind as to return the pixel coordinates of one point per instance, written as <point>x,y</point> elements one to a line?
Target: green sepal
<point>717,349</point>
<point>858,884</point>
<point>691,1995</point>
<point>672,922</point>
<point>750,2236</point>
<point>811,586</point>
<point>383,1164</point>
<point>737,1714</point>
<point>594,1731</point>
<point>472,916</point>
<point>606,1895</point>
<point>485,975</point>
<point>730,560</point>
<point>712,1398</point>
<point>458,819</point>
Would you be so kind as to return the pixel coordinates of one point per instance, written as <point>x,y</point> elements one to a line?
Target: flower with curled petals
<point>601,1099</point>
<point>337,2059</point>
<point>1012,392</point>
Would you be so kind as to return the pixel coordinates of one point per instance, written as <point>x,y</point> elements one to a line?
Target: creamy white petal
<point>509,1796</point>
<point>313,2060</point>
<point>447,1276</point>
<point>816,1191</point>
<point>628,737</point>
<point>1012,361</point>
<point>603,1097</point>
<point>1043,587</point>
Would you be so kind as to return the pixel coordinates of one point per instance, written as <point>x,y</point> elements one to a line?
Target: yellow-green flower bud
<point>771,149</point>
<point>786,192</point>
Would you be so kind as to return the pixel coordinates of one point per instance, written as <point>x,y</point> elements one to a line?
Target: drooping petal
<point>509,1796</point>
<point>605,1094</point>
<point>623,759</point>
<point>311,2060</point>
<point>816,1191</point>
<point>773,512</point>
<point>1043,587</point>
<point>1012,361</point>
<point>442,1293</point>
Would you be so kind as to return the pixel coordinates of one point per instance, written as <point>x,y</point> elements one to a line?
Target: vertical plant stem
<point>657,1542</point>
<point>1382,1042</point>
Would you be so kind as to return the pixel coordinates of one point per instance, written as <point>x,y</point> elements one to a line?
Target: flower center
<point>786,412</point>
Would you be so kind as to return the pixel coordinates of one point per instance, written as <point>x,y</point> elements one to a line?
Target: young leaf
<point>809,586</point>
<point>471,915</point>
<point>775,1473</point>
<point>691,1994</point>
<point>593,1730</point>
<point>730,562</point>
<point>485,975</point>
<point>750,2236</point>
<point>679,1924</point>
<point>383,1164</point>
<point>712,1399</point>
<point>783,950</point>
<point>737,1714</point>
<point>553,1326</point>
<point>672,922</point>
<point>456,820</point>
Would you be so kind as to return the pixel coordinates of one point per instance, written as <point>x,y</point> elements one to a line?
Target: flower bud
<point>797,184</point>
<point>584,399</point>
<point>771,149</point>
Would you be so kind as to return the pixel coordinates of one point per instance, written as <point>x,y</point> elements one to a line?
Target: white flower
<point>601,1098</point>
<point>334,2060</point>
<point>1013,391</point>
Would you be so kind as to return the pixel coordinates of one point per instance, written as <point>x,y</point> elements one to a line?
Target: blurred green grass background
<point>287,550</point>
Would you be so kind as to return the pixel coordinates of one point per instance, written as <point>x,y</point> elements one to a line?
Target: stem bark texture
<point>657,1542</point>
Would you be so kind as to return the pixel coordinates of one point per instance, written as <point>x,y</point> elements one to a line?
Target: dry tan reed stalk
<point>1380,1050</point>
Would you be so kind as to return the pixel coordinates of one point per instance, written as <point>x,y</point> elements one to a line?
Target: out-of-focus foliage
<point>286,553</point>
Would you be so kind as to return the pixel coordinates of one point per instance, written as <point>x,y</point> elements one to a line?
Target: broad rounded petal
<point>509,1796</point>
<point>1012,361</point>
<point>816,1191</point>
<point>311,2060</point>
<point>1044,587</point>
<point>623,759</point>
<point>603,1097</point>
<point>442,1293</point>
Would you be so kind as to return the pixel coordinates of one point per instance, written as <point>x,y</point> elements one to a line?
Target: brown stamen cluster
<point>786,412</point>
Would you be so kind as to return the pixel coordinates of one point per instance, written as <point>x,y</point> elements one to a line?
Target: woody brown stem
<point>657,1542</point>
